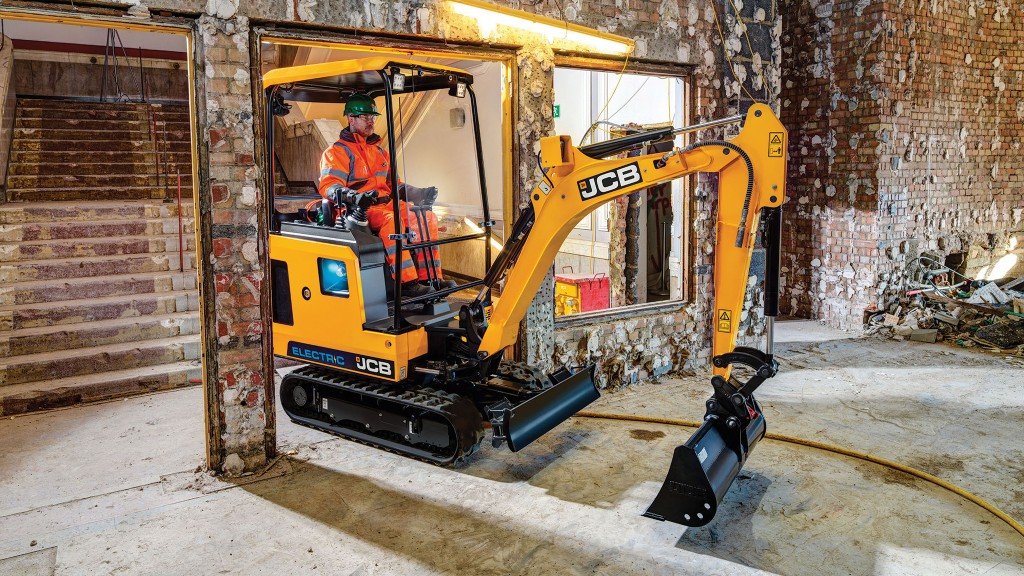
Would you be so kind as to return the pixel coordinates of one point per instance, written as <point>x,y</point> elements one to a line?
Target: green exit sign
<point>557,111</point>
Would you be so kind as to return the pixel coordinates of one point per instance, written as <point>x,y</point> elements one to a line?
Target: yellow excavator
<point>426,376</point>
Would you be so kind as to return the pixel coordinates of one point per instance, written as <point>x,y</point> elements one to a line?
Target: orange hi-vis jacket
<point>353,159</point>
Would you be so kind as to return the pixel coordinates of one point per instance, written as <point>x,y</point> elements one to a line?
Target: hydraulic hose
<point>830,448</point>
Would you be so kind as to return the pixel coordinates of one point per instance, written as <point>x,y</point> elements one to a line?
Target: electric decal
<point>341,359</point>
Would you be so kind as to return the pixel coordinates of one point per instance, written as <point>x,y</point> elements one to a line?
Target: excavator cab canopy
<point>386,79</point>
<point>333,81</point>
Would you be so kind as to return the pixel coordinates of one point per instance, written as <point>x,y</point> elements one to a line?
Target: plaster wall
<point>39,73</point>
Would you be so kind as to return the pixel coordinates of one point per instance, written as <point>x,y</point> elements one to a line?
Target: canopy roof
<point>333,81</point>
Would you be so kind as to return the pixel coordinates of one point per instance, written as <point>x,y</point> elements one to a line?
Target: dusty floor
<point>114,488</point>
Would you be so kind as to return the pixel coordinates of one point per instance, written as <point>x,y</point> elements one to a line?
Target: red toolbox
<point>580,292</point>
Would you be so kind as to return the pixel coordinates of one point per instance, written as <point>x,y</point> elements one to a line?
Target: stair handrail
<point>156,136</point>
<point>167,172</point>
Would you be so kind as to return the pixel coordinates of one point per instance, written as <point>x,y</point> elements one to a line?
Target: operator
<point>357,163</point>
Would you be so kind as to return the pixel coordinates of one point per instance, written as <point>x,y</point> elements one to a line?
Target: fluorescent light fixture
<point>489,17</point>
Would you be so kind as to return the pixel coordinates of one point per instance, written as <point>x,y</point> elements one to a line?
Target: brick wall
<point>903,131</point>
<point>239,391</point>
<point>952,173</point>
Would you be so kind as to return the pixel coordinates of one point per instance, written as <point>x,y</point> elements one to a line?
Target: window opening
<point>632,250</point>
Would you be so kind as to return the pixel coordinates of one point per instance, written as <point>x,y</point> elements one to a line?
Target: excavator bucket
<point>703,469</point>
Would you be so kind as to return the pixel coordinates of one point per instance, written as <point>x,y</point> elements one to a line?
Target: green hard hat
<point>360,104</point>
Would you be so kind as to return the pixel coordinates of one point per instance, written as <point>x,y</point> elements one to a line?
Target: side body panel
<point>328,329</point>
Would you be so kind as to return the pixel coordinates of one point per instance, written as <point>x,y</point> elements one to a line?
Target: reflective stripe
<point>390,250</point>
<point>351,160</point>
<point>384,174</point>
<point>407,263</point>
<point>332,172</point>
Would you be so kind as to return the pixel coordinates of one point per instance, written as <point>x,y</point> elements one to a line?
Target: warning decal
<point>775,142</point>
<point>724,320</point>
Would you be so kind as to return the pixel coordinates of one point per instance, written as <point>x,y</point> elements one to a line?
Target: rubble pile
<point>972,313</point>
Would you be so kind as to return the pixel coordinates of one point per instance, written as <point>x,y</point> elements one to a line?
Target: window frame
<point>687,251</point>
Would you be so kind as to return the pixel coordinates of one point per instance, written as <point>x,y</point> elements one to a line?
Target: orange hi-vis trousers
<point>427,264</point>
<point>382,221</point>
<point>428,260</point>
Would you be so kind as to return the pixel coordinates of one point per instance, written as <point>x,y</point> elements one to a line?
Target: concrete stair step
<point>57,211</point>
<point>86,194</point>
<point>78,123</point>
<point>60,169</point>
<point>68,157</point>
<point>31,270</point>
<point>36,250</point>
<point>96,359</point>
<point>88,145</point>
<point>50,394</point>
<point>117,131</point>
<point>87,104</point>
<point>24,316</point>
<point>26,232</point>
<point>96,287</point>
<point>53,108</point>
<point>73,179</point>
<point>100,333</point>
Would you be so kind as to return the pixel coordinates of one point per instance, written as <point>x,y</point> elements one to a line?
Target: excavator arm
<point>751,170</point>
<point>751,190</point>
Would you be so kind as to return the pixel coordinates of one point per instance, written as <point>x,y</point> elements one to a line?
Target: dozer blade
<point>702,471</point>
<point>532,419</point>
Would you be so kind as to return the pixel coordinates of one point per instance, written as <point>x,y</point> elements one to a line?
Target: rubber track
<point>436,401</point>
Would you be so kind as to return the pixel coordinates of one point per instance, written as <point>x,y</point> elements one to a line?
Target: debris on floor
<point>971,313</point>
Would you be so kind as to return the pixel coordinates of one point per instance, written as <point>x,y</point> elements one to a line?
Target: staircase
<point>71,150</point>
<point>95,299</point>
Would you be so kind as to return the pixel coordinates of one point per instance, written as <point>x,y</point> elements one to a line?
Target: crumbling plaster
<point>233,264</point>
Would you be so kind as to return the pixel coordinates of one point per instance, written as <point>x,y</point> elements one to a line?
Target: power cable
<point>609,100</point>
<point>728,58</point>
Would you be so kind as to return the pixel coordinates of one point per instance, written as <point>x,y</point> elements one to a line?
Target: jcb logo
<point>610,181</point>
<point>372,366</point>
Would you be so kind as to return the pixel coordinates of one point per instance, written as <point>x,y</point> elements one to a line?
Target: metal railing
<point>110,62</point>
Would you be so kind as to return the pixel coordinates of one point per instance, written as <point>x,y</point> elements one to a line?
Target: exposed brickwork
<point>232,269</point>
<point>903,146</point>
<point>536,97</point>
<point>952,177</point>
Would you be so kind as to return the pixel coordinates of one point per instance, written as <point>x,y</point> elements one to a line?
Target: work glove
<point>337,193</point>
<point>340,194</point>
<point>356,202</point>
<point>420,196</point>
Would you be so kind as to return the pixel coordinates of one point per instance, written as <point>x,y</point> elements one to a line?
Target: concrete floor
<point>118,488</point>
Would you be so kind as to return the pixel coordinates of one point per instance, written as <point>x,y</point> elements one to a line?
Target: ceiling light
<point>489,17</point>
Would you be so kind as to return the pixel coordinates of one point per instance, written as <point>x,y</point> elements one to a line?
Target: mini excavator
<point>426,379</point>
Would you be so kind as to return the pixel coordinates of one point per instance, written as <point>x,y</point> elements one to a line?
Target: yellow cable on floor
<point>830,448</point>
